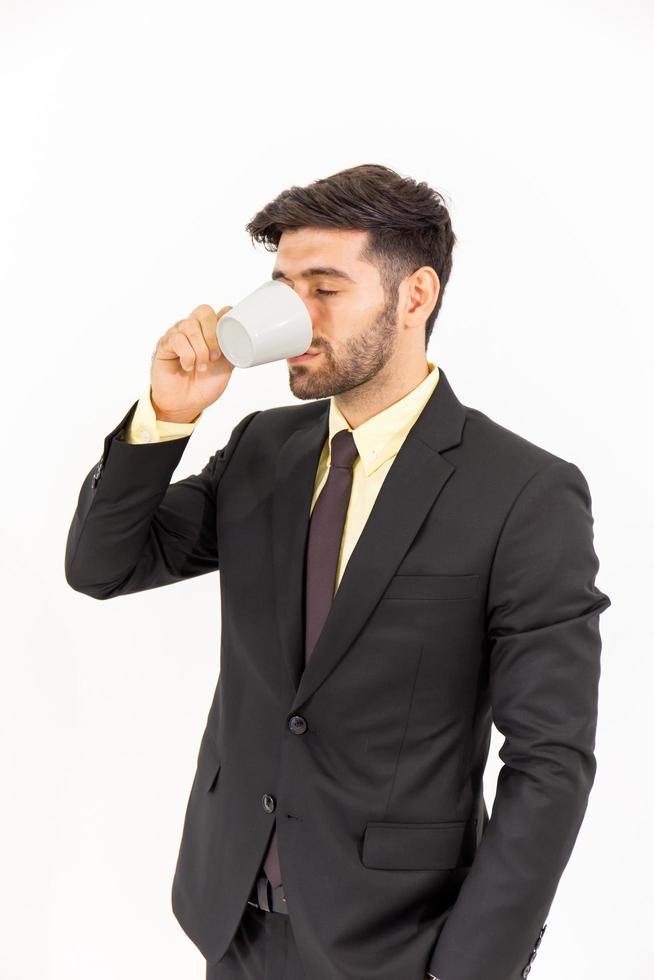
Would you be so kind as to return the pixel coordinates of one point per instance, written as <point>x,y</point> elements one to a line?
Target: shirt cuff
<point>145,427</point>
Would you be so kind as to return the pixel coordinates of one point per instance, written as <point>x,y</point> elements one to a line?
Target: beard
<point>358,361</point>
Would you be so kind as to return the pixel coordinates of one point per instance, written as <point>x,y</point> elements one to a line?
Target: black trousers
<point>263,948</point>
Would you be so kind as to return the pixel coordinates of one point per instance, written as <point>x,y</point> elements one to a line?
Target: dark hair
<point>408,223</point>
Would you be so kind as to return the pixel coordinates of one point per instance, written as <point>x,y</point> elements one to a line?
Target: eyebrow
<point>316,270</point>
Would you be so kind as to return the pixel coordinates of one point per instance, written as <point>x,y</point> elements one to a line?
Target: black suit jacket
<point>470,597</point>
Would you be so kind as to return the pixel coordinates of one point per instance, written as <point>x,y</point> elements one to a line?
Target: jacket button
<point>298,725</point>
<point>268,802</point>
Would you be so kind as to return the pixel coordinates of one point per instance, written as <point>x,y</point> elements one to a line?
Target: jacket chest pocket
<point>432,587</point>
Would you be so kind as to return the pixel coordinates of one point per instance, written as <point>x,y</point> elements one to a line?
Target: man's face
<point>354,331</point>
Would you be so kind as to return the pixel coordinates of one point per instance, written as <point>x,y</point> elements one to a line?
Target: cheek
<point>347,316</point>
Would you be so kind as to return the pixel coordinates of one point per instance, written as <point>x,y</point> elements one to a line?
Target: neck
<point>387,387</point>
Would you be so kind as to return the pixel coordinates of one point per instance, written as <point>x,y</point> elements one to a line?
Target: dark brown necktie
<point>323,548</point>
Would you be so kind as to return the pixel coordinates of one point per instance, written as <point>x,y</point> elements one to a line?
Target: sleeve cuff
<point>145,427</point>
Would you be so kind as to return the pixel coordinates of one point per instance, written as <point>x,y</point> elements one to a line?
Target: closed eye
<point>327,292</point>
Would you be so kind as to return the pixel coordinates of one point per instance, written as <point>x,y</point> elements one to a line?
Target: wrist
<point>179,418</point>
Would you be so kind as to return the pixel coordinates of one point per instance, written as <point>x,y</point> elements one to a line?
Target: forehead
<point>303,248</point>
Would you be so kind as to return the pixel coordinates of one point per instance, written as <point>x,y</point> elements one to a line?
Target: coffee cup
<point>270,324</point>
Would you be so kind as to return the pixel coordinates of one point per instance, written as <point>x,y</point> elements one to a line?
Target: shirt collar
<point>380,437</point>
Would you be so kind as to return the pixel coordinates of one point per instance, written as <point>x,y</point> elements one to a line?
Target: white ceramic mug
<point>270,324</point>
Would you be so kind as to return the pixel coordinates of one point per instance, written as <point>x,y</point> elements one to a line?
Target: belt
<point>265,897</point>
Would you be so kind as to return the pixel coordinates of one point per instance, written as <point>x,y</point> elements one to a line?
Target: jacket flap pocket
<point>419,846</point>
<point>432,587</point>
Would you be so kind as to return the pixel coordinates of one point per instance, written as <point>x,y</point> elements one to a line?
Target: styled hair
<point>408,223</point>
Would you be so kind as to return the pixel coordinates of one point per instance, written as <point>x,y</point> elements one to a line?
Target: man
<point>397,572</point>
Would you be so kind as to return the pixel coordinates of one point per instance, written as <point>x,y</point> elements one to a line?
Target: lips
<point>303,357</point>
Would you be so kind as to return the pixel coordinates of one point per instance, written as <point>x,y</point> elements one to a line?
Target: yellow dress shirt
<point>378,441</point>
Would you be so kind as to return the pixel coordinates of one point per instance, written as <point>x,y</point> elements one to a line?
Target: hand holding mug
<point>189,370</point>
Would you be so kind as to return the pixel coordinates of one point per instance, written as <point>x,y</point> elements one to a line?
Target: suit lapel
<point>411,486</point>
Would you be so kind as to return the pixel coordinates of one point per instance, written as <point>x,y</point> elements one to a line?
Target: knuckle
<point>193,326</point>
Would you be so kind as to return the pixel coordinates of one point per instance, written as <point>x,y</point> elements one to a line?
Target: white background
<point>138,140</point>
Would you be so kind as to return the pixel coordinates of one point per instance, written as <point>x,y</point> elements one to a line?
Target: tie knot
<point>343,449</point>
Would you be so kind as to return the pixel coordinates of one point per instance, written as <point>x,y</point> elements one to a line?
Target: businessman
<point>397,572</point>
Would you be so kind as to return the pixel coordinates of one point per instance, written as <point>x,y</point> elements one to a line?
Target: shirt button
<point>145,436</point>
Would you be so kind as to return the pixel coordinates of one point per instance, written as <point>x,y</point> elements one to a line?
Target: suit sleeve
<point>132,529</point>
<point>544,647</point>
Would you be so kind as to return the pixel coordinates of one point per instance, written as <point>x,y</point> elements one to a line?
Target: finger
<point>183,348</point>
<point>192,329</point>
<point>163,348</point>
<point>208,319</point>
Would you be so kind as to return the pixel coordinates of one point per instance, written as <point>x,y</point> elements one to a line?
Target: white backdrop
<point>138,140</point>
